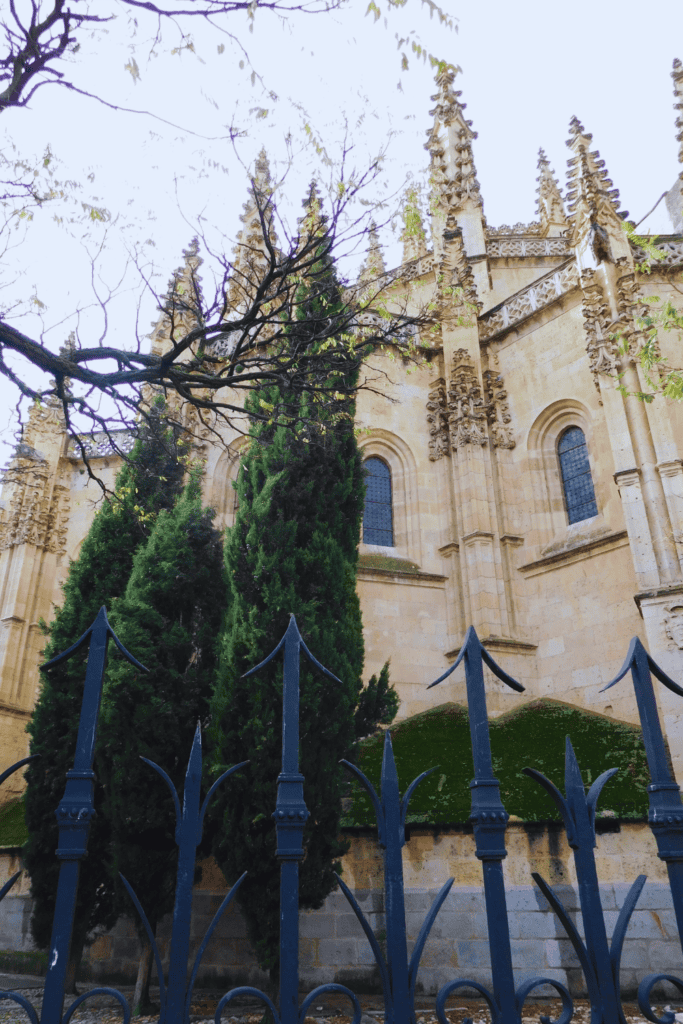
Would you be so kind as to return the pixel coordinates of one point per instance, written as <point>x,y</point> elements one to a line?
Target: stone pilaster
<point>32,538</point>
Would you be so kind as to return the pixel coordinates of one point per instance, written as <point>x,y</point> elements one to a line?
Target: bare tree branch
<point>36,47</point>
<point>208,354</point>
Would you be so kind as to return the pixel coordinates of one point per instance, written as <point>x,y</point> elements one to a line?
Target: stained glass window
<point>377,518</point>
<point>577,483</point>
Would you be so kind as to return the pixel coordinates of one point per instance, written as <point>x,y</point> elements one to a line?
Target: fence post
<point>489,819</point>
<point>291,815</point>
<point>76,810</point>
<point>666,809</point>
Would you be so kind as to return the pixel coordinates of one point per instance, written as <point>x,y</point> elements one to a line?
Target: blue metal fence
<point>599,959</point>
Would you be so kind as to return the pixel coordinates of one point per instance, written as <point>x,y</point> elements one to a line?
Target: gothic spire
<point>452,159</point>
<point>373,265</point>
<point>313,220</point>
<point>677,75</point>
<point>413,234</point>
<point>181,306</point>
<point>592,200</point>
<point>549,205</point>
<point>257,236</point>
<point>674,199</point>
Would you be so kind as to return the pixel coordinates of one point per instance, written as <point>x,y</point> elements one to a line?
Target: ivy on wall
<point>531,736</point>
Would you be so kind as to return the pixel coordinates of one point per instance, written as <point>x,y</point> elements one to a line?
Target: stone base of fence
<point>333,947</point>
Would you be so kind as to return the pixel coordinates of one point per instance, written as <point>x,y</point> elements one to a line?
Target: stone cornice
<point>501,644</point>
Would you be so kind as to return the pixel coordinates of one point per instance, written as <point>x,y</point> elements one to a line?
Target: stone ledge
<point>415,579</point>
<point>576,553</point>
<point>501,644</point>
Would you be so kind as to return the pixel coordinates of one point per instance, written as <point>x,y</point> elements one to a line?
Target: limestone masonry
<point>526,495</point>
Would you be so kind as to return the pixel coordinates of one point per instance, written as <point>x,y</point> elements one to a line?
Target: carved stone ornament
<point>520,245</point>
<point>673,624</point>
<point>27,518</point>
<point>498,411</point>
<point>466,406</point>
<point>631,310</point>
<point>603,351</point>
<point>437,418</point>
<point>549,205</point>
<point>534,228</point>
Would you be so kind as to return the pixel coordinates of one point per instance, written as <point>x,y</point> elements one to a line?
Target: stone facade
<point>524,350</point>
<point>484,533</point>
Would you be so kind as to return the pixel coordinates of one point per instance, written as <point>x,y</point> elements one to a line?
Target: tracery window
<point>377,518</point>
<point>577,482</point>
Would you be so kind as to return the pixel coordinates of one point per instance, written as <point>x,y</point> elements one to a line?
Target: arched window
<point>377,518</point>
<point>577,483</point>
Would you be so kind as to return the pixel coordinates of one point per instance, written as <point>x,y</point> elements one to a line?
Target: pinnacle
<point>453,173</point>
<point>576,129</point>
<point>549,205</point>
<point>313,222</point>
<point>677,75</point>
<point>588,187</point>
<point>374,265</point>
<point>413,234</point>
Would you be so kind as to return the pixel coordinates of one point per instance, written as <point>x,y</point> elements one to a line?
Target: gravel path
<point>104,1009</point>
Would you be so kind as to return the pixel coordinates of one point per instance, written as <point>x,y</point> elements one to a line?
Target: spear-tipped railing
<point>175,998</point>
<point>599,960</point>
<point>665,815</point>
<point>290,817</point>
<point>489,822</point>
<point>74,816</point>
<point>397,973</point>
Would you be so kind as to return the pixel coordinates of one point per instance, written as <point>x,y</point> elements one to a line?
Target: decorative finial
<point>413,234</point>
<point>453,174</point>
<point>374,265</point>
<point>549,205</point>
<point>677,75</point>
<point>591,196</point>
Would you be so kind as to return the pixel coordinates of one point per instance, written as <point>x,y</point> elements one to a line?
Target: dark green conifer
<point>170,616</point>
<point>293,548</point>
<point>149,482</point>
<point>377,704</point>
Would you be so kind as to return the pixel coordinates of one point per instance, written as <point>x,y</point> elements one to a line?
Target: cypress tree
<point>170,615</point>
<point>147,483</point>
<point>293,548</point>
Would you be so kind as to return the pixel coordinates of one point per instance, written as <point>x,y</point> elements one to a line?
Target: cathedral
<point>514,481</point>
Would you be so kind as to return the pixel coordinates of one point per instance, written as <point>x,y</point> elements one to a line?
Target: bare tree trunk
<point>141,1000</point>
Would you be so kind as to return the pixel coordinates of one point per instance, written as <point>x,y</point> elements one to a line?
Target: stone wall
<point>333,947</point>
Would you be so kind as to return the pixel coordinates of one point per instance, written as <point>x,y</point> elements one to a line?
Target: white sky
<point>527,67</point>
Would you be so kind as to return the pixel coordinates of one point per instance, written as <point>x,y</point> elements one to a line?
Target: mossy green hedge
<point>13,831</point>
<point>531,736</point>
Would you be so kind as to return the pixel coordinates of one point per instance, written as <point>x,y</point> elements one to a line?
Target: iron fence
<point>599,958</point>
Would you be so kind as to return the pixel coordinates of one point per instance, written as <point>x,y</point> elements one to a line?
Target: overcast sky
<point>527,67</point>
